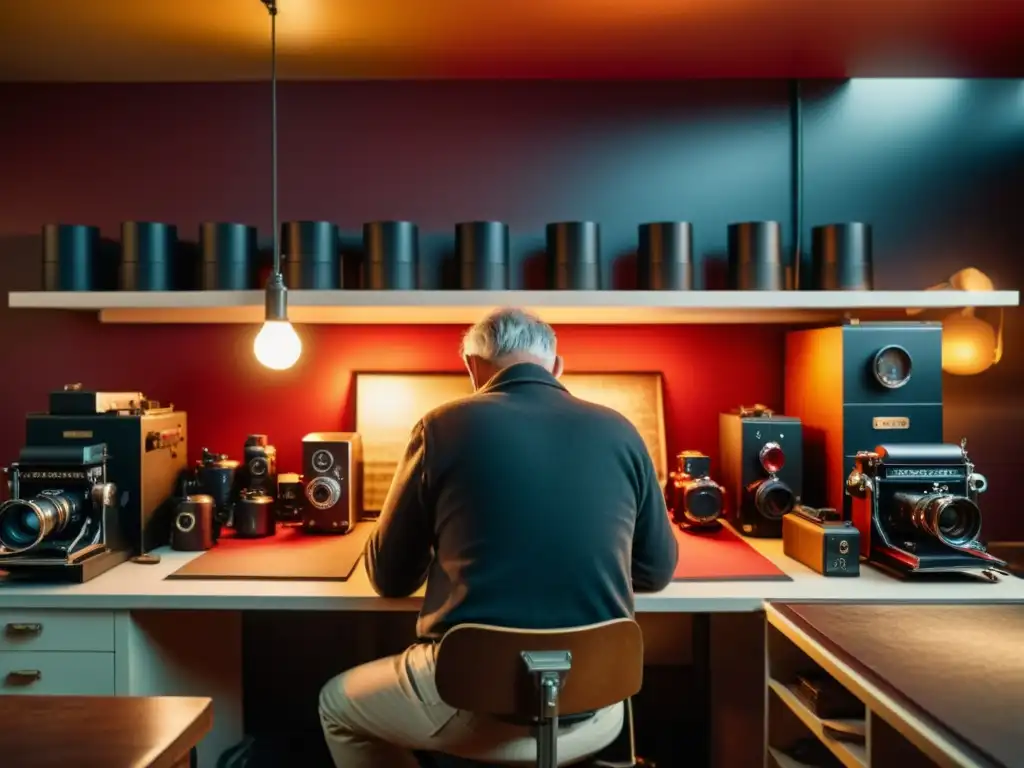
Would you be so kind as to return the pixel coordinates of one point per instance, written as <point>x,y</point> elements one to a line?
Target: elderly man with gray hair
<point>519,506</point>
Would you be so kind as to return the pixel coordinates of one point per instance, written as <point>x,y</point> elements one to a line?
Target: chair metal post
<point>548,670</point>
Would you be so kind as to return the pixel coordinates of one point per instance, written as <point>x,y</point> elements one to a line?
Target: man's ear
<point>559,366</point>
<point>470,363</point>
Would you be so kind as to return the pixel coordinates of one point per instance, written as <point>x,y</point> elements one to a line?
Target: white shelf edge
<point>851,755</point>
<point>568,307</point>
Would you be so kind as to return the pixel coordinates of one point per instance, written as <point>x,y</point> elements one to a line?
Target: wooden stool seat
<point>540,676</point>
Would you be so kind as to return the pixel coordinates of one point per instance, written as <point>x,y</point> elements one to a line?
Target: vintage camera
<point>821,540</point>
<point>916,507</point>
<point>259,465</point>
<point>762,457</point>
<point>332,464</point>
<point>694,500</point>
<point>857,385</point>
<point>62,514</point>
<point>147,449</point>
<point>291,497</point>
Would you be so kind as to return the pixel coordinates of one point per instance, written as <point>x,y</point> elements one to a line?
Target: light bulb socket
<point>276,298</point>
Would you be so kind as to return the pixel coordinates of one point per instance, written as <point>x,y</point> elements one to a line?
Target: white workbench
<point>145,587</point>
<point>131,631</point>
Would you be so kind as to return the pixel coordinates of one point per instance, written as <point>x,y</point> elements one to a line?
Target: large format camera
<point>62,511</point>
<point>916,507</point>
<point>694,500</point>
<point>859,385</point>
<point>762,468</point>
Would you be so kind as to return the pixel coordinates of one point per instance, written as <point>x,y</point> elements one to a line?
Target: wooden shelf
<point>461,307</point>
<point>849,754</point>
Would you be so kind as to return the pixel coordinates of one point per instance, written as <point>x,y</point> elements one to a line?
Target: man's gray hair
<point>510,331</point>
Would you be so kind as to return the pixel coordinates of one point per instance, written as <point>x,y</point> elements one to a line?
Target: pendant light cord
<point>797,172</point>
<point>272,10</point>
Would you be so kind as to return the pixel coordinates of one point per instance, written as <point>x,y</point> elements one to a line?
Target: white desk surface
<point>141,587</point>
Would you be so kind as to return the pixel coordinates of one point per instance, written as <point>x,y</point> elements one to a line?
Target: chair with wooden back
<point>537,676</point>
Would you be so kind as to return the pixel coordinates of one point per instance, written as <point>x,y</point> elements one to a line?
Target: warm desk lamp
<point>969,344</point>
<point>277,345</point>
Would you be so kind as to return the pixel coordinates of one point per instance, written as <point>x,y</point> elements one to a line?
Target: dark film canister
<point>147,256</point>
<point>228,256</point>
<point>574,256</point>
<point>755,256</point>
<point>310,255</point>
<point>664,259</point>
<point>841,257</point>
<point>481,248</point>
<point>70,257</point>
<point>392,255</point>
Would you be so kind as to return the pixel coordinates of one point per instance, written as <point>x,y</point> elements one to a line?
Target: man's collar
<point>520,373</point>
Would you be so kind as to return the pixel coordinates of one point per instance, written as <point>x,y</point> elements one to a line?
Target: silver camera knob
<point>323,492</point>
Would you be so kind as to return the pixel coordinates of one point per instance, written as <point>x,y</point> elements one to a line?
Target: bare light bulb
<point>277,345</point>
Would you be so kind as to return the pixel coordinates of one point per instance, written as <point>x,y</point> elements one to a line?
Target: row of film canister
<point>150,257</point>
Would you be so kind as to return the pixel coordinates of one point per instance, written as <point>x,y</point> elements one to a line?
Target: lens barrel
<point>26,523</point>
<point>773,498</point>
<point>702,502</point>
<point>953,520</point>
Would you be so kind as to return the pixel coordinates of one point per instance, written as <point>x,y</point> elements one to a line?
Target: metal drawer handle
<point>24,629</point>
<point>24,676</point>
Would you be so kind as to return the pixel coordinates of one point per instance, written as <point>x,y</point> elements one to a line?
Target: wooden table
<point>101,731</point>
<point>941,684</point>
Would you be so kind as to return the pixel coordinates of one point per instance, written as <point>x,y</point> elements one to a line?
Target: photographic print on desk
<point>389,404</point>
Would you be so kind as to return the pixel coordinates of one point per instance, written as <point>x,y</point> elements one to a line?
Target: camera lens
<point>773,499</point>
<point>953,520</point>
<point>24,524</point>
<point>703,503</point>
<point>323,492</point>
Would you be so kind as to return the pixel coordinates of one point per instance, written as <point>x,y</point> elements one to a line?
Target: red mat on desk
<point>721,555</point>
<point>291,555</point>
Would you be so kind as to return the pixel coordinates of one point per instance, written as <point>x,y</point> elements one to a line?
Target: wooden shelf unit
<point>894,735</point>
<point>462,307</point>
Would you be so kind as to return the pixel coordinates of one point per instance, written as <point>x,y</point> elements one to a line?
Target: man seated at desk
<point>520,506</point>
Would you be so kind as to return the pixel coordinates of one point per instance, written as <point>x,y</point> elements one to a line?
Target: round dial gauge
<point>892,367</point>
<point>258,467</point>
<point>322,460</point>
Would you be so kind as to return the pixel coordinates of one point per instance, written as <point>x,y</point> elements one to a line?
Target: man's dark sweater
<point>523,506</point>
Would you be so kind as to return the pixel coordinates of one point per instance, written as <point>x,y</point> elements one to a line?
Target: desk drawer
<point>69,674</point>
<point>56,631</point>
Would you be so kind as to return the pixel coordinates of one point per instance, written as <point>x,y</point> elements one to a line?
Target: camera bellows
<point>392,255</point>
<point>482,248</point>
<point>755,256</point>
<point>228,256</point>
<point>147,256</point>
<point>312,260</point>
<point>665,257</point>
<point>574,256</point>
<point>70,257</point>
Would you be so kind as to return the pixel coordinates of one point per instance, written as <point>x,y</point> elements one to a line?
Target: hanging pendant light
<point>277,345</point>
